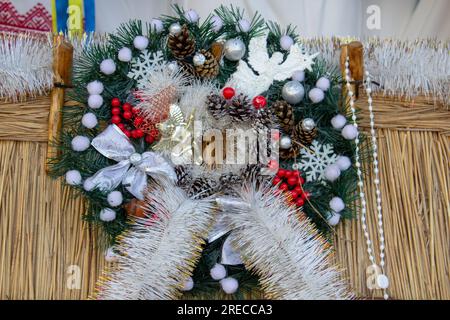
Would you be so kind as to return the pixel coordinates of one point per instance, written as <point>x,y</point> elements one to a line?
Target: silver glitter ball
<point>172,66</point>
<point>199,59</point>
<point>285,142</point>
<point>234,49</point>
<point>293,92</point>
<point>135,159</point>
<point>175,29</point>
<point>308,124</point>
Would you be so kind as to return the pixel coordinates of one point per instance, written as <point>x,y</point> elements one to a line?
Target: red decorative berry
<point>116,119</point>
<point>121,126</point>
<point>138,121</point>
<point>135,110</point>
<point>306,195</point>
<point>127,133</point>
<point>127,107</point>
<point>149,139</point>
<point>115,111</point>
<point>299,202</point>
<point>276,135</point>
<point>273,165</point>
<point>294,194</point>
<point>298,189</point>
<point>281,173</point>
<point>276,181</point>
<point>154,133</point>
<point>292,181</point>
<point>259,102</point>
<point>228,93</point>
<point>288,174</point>
<point>115,102</point>
<point>137,133</point>
<point>283,186</point>
<point>301,180</point>
<point>127,115</point>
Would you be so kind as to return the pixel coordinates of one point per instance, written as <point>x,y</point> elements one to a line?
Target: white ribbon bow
<point>132,168</point>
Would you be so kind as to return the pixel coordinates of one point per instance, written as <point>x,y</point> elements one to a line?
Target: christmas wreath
<point>180,213</point>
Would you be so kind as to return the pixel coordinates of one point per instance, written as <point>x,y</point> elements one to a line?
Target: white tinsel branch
<point>160,252</point>
<point>282,248</point>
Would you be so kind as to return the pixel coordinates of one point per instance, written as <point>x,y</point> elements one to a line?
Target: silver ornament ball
<point>285,142</point>
<point>308,124</point>
<point>293,92</point>
<point>172,66</point>
<point>234,49</point>
<point>175,29</point>
<point>135,158</point>
<point>199,59</point>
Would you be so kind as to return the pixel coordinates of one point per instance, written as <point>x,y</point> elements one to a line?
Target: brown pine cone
<point>240,108</point>
<point>285,115</point>
<point>202,188</point>
<point>210,68</point>
<point>303,136</point>
<point>216,105</point>
<point>182,44</point>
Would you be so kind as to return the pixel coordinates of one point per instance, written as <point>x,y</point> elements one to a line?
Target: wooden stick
<point>355,51</point>
<point>62,69</point>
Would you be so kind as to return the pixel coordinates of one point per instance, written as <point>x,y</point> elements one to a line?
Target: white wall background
<point>403,19</point>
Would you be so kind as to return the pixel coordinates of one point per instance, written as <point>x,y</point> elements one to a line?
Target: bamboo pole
<point>62,69</point>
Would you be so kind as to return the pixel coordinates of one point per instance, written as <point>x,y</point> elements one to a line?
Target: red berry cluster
<point>291,183</point>
<point>258,102</point>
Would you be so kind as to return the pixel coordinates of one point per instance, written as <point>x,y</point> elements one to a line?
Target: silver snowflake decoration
<point>315,160</point>
<point>142,65</point>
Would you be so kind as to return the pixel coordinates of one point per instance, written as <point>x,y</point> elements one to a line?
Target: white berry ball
<point>337,205</point>
<point>323,83</point>
<point>298,75</point>
<point>156,25</point>
<point>88,185</point>
<point>95,87</point>
<point>191,16</point>
<point>115,198</point>
<point>125,54</point>
<point>218,272</point>
<point>286,42</point>
<point>229,285</point>
<point>243,26</point>
<point>80,143</point>
<point>107,215</point>
<point>73,177</point>
<point>140,42</point>
<point>338,121</point>
<point>343,163</point>
<point>217,23</point>
<point>349,132</point>
<point>95,101</point>
<point>108,66</point>
<point>110,255</point>
<point>188,284</point>
<point>316,95</point>
<point>332,172</point>
<point>334,218</point>
<point>89,120</point>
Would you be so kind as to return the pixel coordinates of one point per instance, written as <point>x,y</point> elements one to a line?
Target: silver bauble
<point>175,29</point>
<point>199,59</point>
<point>293,92</point>
<point>135,159</point>
<point>172,66</point>
<point>234,49</point>
<point>285,142</point>
<point>308,124</point>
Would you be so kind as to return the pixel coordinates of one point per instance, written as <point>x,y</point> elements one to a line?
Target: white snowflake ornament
<point>315,160</point>
<point>142,65</point>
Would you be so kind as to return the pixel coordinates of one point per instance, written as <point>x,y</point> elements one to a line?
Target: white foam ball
<point>110,255</point>
<point>156,25</point>
<point>88,185</point>
<point>217,23</point>
<point>338,121</point>
<point>108,66</point>
<point>316,95</point>
<point>286,42</point>
<point>343,163</point>
<point>140,42</point>
<point>107,214</point>
<point>95,87</point>
<point>218,272</point>
<point>115,198</point>
<point>95,101</point>
<point>332,172</point>
<point>188,284</point>
<point>191,16</point>
<point>323,83</point>
<point>229,285</point>
<point>349,132</point>
<point>298,75</point>
<point>334,218</point>
<point>89,120</point>
<point>125,54</point>
<point>336,204</point>
<point>80,143</point>
<point>73,177</point>
<point>243,25</point>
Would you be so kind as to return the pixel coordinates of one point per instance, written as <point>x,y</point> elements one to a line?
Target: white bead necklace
<point>382,280</point>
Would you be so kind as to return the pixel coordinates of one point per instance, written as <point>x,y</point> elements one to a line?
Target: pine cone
<point>252,174</point>
<point>229,181</point>
<point>181,45</point>
<point>210,68</point>
<point>202,188</point>
<point>303,136</point>
<point>263,118</point>
<point>240,108</point>
<point>184,177</point>
<point>290,153</point>
<point>216,105</point>
<point>187,67</point>
<point>285,115</point>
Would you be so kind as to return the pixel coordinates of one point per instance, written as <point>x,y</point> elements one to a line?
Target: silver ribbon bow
<point>132,168</point>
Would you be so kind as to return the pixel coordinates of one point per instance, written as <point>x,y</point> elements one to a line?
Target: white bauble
<point>332,172</point>
<point>316,95</point>
<point>234,49</point>
<point>338,121</point>
<point>285,142</point>
<point>343,163</point>
<point>107,215</point>
<point>173,66</point>
<point>218,272</point>
<point>349,132</point>
<point>156,25</point>
<point>110,255</point>
<point>95,87</point>
<point>298,75</point>
<point>95,101</point>
<point>89,120</point>
<point>191,16</point>
<point>80,143</point>
<point>286,42</point>
<point>125,54</point>
<point>108,66</point>
<point>140,42</point>
<point>73,177</point>
<point>217,23</point>
<point>199,59</point>
<point>336,204</point>
<point>334,218</point>
<point>229,285</point>
<point>243,26</point>
<point>188,285</point>
<point>293,92</point>
<point>88,185</point>
<point>115,198</point>
<point>175,29</point>
<point>323,83</point>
